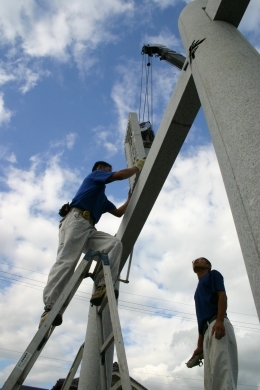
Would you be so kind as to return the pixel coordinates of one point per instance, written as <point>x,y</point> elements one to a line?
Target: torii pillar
<point>225,69</point>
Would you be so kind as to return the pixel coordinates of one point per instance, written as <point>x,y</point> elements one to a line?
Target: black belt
<point>205,327</point>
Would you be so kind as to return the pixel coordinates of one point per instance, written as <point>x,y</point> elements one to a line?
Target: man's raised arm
<point>127,172</point>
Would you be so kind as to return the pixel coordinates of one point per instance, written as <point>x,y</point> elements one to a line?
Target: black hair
<point>105,164</point>
<point>207,261</point>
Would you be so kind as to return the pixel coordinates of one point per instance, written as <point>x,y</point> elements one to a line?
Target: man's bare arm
<point>219,328</point>
<point>199,348</point>
<point>127,172</point>
<point>123,174</point>
<point>121,210</point>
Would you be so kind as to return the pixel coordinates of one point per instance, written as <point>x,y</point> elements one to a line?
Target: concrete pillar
<point>225,69</point>
<point>90,372</point>
<point>90,366</point>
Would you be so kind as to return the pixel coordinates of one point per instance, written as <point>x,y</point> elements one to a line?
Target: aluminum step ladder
<point>29,357</point>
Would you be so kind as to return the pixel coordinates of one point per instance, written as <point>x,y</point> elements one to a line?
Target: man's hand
<point>139,164</point>
<point>197,351</point>
<point>121,210</point>
<point>219,329</point>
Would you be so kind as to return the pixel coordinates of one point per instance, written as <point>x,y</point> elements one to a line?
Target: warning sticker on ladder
<point>24,360</point>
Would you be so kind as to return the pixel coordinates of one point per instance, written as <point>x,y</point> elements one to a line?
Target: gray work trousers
<point>77,236</point>
<point>220,359</point>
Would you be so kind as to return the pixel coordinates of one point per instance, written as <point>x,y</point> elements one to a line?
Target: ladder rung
<point>103,305</point>
<point>107,343</point>
<point>117,385</point>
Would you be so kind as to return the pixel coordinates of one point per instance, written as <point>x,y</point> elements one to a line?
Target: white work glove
<point>139,164</point>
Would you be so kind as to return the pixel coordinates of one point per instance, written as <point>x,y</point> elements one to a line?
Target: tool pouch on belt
<point>86,214</point>
<point>65,210</point>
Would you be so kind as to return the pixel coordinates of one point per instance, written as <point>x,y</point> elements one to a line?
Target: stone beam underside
<point>176,123</point>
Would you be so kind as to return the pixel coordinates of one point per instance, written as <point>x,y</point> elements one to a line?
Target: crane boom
<point>165,54</point>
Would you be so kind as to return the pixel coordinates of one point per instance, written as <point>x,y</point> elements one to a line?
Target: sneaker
<point>56,322</point>
<point>195,361</point>
<point>99,294</point>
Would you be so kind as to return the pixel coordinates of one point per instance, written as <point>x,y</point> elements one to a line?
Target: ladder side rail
<point>28,358</point>
<point>118,337</point>
<point>71,374</point>
<point>103,371</point>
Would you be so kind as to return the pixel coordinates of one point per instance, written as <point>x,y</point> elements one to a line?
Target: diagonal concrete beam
<point>230,11</point>
<point>176,123</point>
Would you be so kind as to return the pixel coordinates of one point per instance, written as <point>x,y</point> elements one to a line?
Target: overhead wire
<point>124,292</point>
<point>132,371</point>
<point>157,311</point>
<point>82,292</point>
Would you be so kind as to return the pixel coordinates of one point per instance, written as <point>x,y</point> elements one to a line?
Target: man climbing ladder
<point>77,233</point>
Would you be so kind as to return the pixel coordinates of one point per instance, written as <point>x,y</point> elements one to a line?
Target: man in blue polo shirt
<point>216,340</point>
<point>77,233</point>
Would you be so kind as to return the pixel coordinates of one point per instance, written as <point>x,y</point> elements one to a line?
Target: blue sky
<point>70,74</point>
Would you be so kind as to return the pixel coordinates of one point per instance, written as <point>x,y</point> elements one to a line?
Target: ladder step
<point>103,305</point>
<point>107,343</point>
<point>117,385</point>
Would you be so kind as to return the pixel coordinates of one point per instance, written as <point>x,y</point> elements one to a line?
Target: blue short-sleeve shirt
<point>206,297</point>
<point>91,195</point>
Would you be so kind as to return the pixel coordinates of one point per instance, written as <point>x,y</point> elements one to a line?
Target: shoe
<point>99,294</point>
<point>56,322</point>
<point>195,361</point>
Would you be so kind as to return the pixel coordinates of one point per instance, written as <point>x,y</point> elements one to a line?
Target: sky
<point>70,73</point>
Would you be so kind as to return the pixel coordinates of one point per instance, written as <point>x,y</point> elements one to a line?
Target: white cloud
<point>5,77</point>
<point>107,140</point>
<point>127,80</point>
<point>6,155</point>
<point>166,38</point>
<point>126,94</point>
<point>68,141</point>
<point>165,3</point>
<point>5,113</point>
<point>11,158</point>
<point>251,19</point>
<point>55,28</point>
<point>23,72</point>
<point>29,77</point>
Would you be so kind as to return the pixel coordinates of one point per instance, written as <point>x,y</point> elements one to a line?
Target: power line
<point>41,364</point>
<point>134,371</point>
<point>41,356</point>
<point>124,292</point>
<point>167,315</point>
